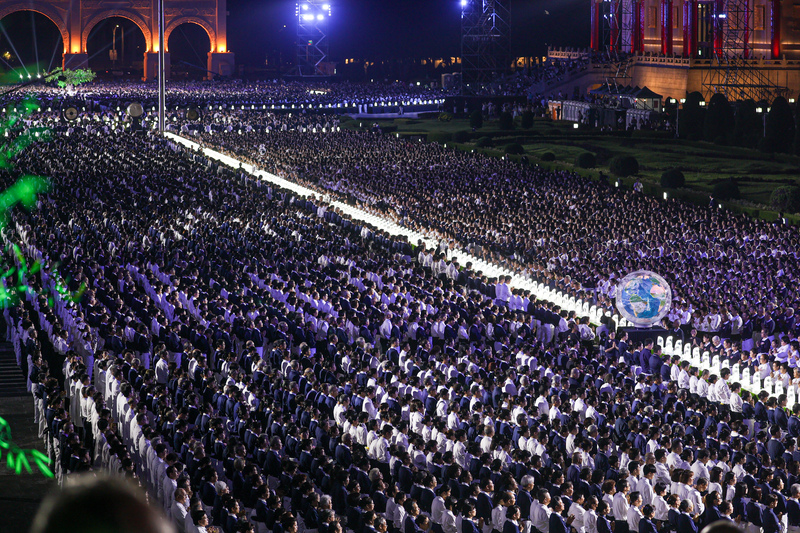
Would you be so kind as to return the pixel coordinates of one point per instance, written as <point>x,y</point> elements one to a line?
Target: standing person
<point>511,524</point>
<point>557,522</point>
<point>686,523</point>
<point>620,507</point>
<point>770,522</point>
<point>603,525</point>
<point>646,524</point>
<point>634,514</point>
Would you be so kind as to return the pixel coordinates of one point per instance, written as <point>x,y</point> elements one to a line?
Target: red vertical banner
<point>775,27</point>
<point>719,17</point>
<point>695,17</point>
<point>746,36</point>
<point>614,24</point>
<point>689,30</point>
<point>666,27</point>
<point>640,7</point>
<point>596,15</point>
<point>635,28</point>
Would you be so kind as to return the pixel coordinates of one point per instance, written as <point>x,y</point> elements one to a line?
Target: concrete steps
<point>13,382</point>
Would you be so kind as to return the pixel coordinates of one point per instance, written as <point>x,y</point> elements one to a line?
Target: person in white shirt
<point>555,412</point>
<point>645,485</point>
<point>577,510</point>
<point>178,510</point>
<point>735,401</point>
<point>540,512</point>
<point>721,389</point>
<point>368,406</point>
<point>702,386</point>
<point>460,448</point>
<point>486,441</point>
<point>620,505</point>
<point>660,504</point>
<point>634,513</point>
<point>162,368</point>
<point>499,513</point>
<point>699,467</point>
<point>448,516</point>
<point>694,494</point>
<point>590,516</point>
<point>438,506</point>
<point>684,378</point>
<point>379,449</point>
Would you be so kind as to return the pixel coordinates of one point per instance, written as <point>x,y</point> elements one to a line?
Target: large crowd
<point>256,360</point>
<point>226,93</point>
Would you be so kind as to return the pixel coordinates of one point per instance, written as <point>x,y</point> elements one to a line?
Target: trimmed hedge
<point>673,179</point>
<point>527,120</point>
<point>515,149</point>
<point>726,190</point>
<point>548,156</point>
<point>476,119</point>
<point>440,137</point>
<point>461,136</point>
<point>624,165</point>
<point>484,142</point>
<point>786,198</point>
<point>506,121</point>
<point>586,160</point>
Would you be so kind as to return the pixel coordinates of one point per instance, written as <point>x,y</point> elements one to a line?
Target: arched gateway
<point>76,18</point>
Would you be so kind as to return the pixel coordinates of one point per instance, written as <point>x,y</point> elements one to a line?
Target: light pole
<point>114,46</point>
<point>161,68</point>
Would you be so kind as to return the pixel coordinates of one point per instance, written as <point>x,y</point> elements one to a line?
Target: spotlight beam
<point>53,57</point>
<point>3,28</point>
<point>35,43</point>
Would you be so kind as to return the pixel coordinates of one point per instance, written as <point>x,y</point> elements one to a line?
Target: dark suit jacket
<point>646,526</point>
<point>686,524</point>
<point>558,525</point>
<point>770,521</point>
<point>468,526</point>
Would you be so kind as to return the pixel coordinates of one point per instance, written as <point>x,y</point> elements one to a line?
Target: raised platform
<point>671,77</point>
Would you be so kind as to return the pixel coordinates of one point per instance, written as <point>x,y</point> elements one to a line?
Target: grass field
<point>703,164</point>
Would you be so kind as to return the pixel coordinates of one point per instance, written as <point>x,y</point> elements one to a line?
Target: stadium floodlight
<point>312,39</point>
<point>464,3</point>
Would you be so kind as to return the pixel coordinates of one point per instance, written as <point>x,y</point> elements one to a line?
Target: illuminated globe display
<point>644,298</point>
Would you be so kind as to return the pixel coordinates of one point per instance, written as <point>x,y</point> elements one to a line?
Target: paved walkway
<point>490,270</point>
<point>20,495</point>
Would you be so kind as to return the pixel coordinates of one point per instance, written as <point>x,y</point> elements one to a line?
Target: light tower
<point>312,38</point>
<point>485,48</point>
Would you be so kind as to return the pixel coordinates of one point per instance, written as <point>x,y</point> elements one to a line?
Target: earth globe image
<point>643,298</point>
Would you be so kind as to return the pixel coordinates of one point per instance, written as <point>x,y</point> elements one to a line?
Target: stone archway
<point>48,10</point>
<point>126,14</point>
<point>76,18</point>
<point>212,37</point>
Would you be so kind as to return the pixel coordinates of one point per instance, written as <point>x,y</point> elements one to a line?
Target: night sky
<point>361,29</point>
<point>377,29</point>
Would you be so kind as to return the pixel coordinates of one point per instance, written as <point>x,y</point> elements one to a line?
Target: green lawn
<point>703,164</point>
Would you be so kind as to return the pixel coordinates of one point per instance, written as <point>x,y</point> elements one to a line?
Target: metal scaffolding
<point>312,38</point>
<point>733,70</point>
<point>485,48</point>
<point>618,23</point>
